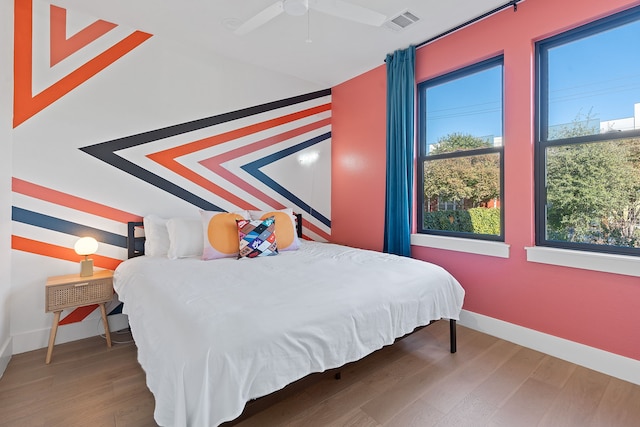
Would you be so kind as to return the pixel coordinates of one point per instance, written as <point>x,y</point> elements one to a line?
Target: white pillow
<point>156,243</point>
<point>185,237</point>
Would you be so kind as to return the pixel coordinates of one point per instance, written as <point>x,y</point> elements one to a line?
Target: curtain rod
<point>512,3</point>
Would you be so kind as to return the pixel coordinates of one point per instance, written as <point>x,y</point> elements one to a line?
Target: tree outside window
<point>593,190</point>
<point>460,135</point>
<point>588,137</point>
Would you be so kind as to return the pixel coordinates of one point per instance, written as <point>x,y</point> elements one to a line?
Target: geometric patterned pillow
<point>285,227</point>
<point>257,238</point>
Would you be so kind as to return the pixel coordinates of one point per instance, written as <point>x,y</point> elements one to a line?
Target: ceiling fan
<point>338,8</point>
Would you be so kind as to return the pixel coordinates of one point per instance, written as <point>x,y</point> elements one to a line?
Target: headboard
<point>135,244</point>
<point>298,224</point>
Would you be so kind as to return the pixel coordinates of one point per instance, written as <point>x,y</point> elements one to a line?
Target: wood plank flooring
<point>415,382</point>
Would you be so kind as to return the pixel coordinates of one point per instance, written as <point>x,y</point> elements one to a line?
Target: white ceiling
<point>339,50</point>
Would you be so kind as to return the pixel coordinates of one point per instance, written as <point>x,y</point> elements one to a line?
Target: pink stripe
<point>215,163</point>
<point>315,229</point>
<point>61,46</point>
<point>73,202</point>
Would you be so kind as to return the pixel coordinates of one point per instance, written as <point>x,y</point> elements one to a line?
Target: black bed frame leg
<point>338,375</point>
<point>452,335</point>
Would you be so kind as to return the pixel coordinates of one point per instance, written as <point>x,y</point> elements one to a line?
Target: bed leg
<point>452,335</point>
<point>338,375</point>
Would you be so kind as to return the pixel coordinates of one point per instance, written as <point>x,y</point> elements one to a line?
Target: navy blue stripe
<point>116,310</point>
<point>105,154</point>
<point>179,129</point>
<point>253,168</point>
<point>105,151</point>
<point>67,227</point>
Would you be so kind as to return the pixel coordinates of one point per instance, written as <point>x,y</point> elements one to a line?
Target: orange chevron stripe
<point>60,252</point>
<point>25,105</point>
<point>73,202</point>
<point>60,45</point>
<point>78,314</point>
<point>167,158</point>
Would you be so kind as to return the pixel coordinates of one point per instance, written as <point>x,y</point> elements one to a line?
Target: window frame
<point>541,128</point>
<point>423,156</point>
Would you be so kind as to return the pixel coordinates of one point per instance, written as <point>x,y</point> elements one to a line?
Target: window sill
<point>471,246</point>
<point>607,263</point>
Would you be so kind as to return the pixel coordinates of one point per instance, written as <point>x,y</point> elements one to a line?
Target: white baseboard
<point>625,368</point>
<point>34,340</point>
<point>5,355</point>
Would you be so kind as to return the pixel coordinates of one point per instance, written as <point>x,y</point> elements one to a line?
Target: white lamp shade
<point>86,246</point>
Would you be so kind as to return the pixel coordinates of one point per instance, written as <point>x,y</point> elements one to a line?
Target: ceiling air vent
<point>401,21</point>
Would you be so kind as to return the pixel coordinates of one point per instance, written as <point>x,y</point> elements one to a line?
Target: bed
<point>213,335</point>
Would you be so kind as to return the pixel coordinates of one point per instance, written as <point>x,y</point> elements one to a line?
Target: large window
<point>588,137</point>
<point>460,155</point>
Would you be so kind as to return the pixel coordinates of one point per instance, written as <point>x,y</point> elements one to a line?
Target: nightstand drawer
<point>82,292</point>
<point>74,291</point>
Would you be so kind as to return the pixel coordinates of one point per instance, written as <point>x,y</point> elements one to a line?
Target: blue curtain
<point>400,143</point>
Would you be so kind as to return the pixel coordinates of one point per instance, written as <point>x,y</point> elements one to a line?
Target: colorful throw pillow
<point>285,227</point>
<point>257,238</point>
<point>221,234</point>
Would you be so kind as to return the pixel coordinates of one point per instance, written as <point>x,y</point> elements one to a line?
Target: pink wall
<point>597,309</point>
<point>358,118</point>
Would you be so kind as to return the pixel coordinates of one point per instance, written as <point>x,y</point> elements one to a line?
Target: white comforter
<point>212,335</point>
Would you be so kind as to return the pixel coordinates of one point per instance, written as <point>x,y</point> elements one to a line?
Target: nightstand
<point>71,291</point>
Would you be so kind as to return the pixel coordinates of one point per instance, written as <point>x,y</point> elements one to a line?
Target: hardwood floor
<point>415,382</point>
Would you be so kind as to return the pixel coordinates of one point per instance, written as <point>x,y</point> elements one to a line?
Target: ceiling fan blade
<point>349,11</point>
<point>261,18</point>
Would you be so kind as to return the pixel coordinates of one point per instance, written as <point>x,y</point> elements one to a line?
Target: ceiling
<point>339,49</point>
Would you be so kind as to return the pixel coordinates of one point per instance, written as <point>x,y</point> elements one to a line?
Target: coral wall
<point>593,308</point>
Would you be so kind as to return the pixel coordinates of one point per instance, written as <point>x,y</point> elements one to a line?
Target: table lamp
<point>86,246</point>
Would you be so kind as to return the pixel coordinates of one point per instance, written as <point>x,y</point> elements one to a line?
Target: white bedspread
<point>212,335</point>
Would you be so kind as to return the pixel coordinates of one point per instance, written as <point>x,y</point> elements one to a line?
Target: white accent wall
<point>158,84</point>
<point>6,78</point>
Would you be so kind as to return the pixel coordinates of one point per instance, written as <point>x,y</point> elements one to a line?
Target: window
<point>460,153</point>
<point>588,137</point>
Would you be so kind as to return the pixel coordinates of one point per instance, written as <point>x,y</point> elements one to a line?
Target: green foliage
<point>448,221</point>
<point>593,190</point>
<point>485,220</point>
<point>474,220</point>
<point>474,178</point>
<point>459,142</point>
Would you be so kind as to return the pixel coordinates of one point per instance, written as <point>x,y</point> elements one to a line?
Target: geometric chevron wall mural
<point>268,156</point>
<point>232,158</point>
<point>72,75</point>
<point>49,62</point>
<point>55,52</point>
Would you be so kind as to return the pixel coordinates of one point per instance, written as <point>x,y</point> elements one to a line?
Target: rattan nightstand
<point>72,290</point>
